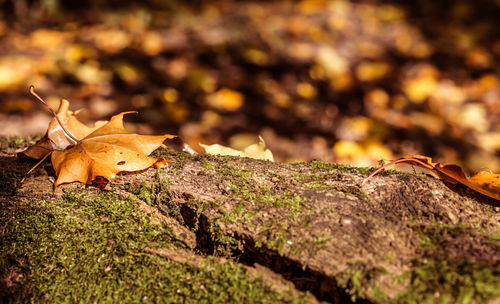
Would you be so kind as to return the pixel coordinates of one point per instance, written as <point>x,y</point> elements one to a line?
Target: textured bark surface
<point>402,237</point>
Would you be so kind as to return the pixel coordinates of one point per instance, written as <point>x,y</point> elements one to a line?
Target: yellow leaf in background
<point>91,73</point>
<point>112,40</point>
<point>306,90</point>
<point>448,92</point>
<point>490,141</point>
<point>429,122</point>
<point>256,151</point>
<point>473,116</point>
<point>422,50</point>
<point>376,102</point>
<point>9,77</point>
<point>367,153</point>
<point>217,149</point>
<point>389,12</point>
<point>331,62</point>
<point>360,128</point>
<point>346,148</point>
<point>420,88</point>
<point>198,77</point>
<point>152,43</point>
<point>170,95</point>
<point>47,39</point>
<point>488,81</point>
<point>371,71</point>
<point>479,58</point>
<point>225,99</point>
<point>312,6</point>
<point>14,71</point>
<point>128,73</point>
<point>342,82</point>
<point>301,50</point>
<point>256,56</point>
<point>376,150</point>
<point>75,53</point>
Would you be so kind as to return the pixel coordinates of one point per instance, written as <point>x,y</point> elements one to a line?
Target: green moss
<point>442,276</point>
<point>317,181</point>
<point>92,248</point>
<point>156,194</point>
<point>450,282</point>
<point>222,245</point>
<point>243,187</point>
<point>207,165</point>
<point>317,185</point>
<point>360,282</point>
<point>289,209</point>
<point>364,171</point>
<point>344,168</point>
<point>17,142</point>
<point>236,172</point>
<point>179,159</point>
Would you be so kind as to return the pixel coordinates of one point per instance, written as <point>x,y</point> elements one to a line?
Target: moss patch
<point>460,265</point>
<point>92,248</point>
<point>17,142</point>
<point>450,282</point>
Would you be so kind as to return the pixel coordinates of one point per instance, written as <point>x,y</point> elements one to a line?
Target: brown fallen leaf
<point>106,152</point>
<point>483,182</point>
<point>91,155</point>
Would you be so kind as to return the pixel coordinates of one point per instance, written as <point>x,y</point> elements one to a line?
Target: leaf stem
<point>34,167</point>
<point>393,163</point>
<point>66,132</point>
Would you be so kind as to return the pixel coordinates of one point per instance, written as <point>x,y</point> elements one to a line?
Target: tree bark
<point>402,237</point>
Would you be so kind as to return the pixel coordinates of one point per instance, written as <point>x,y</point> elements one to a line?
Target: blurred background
<point>340,81</point>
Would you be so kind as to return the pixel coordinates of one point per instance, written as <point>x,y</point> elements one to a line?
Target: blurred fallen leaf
<point>256,151</point>
<point>371,71</point>
<point>225,99</point>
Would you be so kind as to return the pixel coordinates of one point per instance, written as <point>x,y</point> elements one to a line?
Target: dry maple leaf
<point>106,152</point>
<point>83,154</point>
<point>483,182</point>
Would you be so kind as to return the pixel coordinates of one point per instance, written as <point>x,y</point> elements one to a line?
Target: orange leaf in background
<point>106,152</point>
<point>55,138</point>
<point>482,182</point>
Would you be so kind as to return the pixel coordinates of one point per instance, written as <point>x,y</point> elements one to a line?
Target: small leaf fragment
<point>255,151</point>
